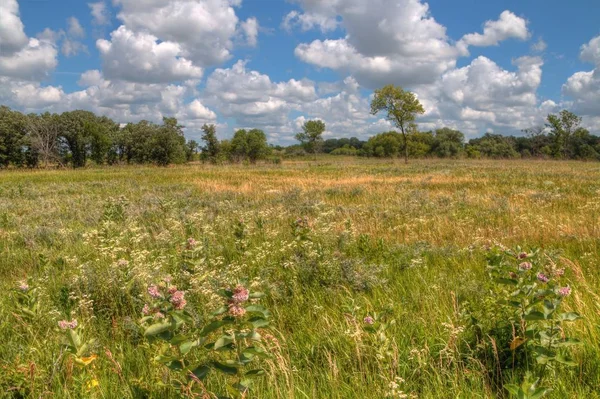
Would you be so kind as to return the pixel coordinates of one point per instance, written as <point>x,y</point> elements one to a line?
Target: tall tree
<point>311,136</point>
<point>562,128</point>
<point>402,108</point>
<point>209,136</point>
<point>44,133</point>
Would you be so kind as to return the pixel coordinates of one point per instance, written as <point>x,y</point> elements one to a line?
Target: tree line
<point>77,138</point>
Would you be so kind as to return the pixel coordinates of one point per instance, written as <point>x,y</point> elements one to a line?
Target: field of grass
<point>329,242</point>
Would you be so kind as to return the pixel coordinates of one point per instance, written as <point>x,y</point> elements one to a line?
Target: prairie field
<point>372,271</point>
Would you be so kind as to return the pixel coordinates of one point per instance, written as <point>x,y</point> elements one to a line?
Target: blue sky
<point>477,66</point>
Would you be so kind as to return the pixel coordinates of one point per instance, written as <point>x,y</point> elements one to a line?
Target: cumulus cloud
<point>399,43</point>
<point>584,86</point>
<point>32,62</point>
<point>202,28</point>
<point>306,21</point>
<point>508,26</point>
<point>138,57</point>
<point>539,46</point>
<point>12,33</point>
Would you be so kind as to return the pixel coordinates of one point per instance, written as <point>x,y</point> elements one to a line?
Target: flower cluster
<point>67,325</point>
<point>169,294</point>
<point>191,243</point>
<point>23,286</point>
<point>368,320</point>
<point>240,295</point>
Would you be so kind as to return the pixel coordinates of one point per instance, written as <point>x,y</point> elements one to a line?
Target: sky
<point>477,66</point>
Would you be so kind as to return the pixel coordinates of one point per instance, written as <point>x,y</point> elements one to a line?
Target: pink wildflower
<point>167,279</point>
<point>564,291</point>
<point>67,325</point>
<point>23,286</point>
<point>522,255</point>
<point>543,278</point>
<point>178,300</point>
<point>240,294</point>
<point>369,320</point>
<point>525,266</point>
<point>159,315</point>
<point>559,272</point>
<point>146,310</point>
<point>154,292</point>
<point>236,310</point>
<point>191,243</point>
<point>172,289</point>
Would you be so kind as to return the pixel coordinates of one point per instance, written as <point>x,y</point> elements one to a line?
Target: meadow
<point>375,278</point>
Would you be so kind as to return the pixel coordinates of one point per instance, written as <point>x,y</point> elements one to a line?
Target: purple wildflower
<point>67,325</point>
<point>23,286</point>
<point>368,320</point>
<point>564,291</point>
<point>240,294</point>
<point>543,278</point>
<point>146,310</point>
<point>525,266</point>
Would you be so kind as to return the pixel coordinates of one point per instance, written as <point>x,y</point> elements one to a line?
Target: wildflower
<point>191,243</point>
<point>236,310</point>
<point>167,279</point>
<point>172,289</point>
<point>67,325</point>
<point>122,263</point>
<point>23,286</point>
<point>159,315</point>
<point>525,266</point>
<point>559,272</point>
<point>146,310</point>
<point>240,294</point>
<point>154,292</point>
<point>178,300</point>
<point>522,255</point>
<point>543,278</point>
<point>564,291</point>
<point>368,320</point>
<point>512,275</point>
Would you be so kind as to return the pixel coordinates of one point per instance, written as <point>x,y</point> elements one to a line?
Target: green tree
<point>209,136</point>
<point>13,137</point>
<point>448,143</point>
<point>562,129</point>
<point>401,107</point>
<point>311,136</point>
<point>239,145</point>
<point>257,145</point>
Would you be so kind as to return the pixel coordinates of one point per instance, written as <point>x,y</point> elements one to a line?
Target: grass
<point>409,239</point>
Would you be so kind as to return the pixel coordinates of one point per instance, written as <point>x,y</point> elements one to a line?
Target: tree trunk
<point>405,148</point>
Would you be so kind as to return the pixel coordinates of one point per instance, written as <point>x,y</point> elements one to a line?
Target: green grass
<point>383,235</point>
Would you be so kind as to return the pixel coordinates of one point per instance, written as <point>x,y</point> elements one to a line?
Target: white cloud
<point>309,21</point>
<point>12,33</point>
<point>584,87</point>
<point>385,42</point>
<point>75,30</point>
<point>250,30</point>
<point>100,13</point>
<point>32,62</point>
<point>203,28</point>
<point>137,57</point>
<point>508,26</point>
<point>539,46</point>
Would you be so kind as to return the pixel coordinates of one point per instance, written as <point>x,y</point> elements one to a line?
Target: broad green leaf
<point>225,368</point>
<point>222,341</point>
<point>157,328</point>
<point>569,316</point>
<point>534,315</point>
<point>200,371</point>
<point>207,329</point>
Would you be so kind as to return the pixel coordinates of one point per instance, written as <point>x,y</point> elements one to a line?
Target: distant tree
<point>257,147</point>
<point>44,133</point>
<point>191,149</point>
<point>382,145</point>
<point>401,107</point>
<point>209,136</point>
<point>13,137</point>
<point>448,143</point>
<point>494,146</point>
<point>239,145</point>
<point>562,129</point>
<point>311,136</point>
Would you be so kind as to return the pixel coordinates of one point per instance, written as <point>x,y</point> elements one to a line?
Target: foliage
<point>311,136</point>
<point>401,109</point>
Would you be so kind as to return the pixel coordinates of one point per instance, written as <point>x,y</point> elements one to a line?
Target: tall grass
<point>406,243</point>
